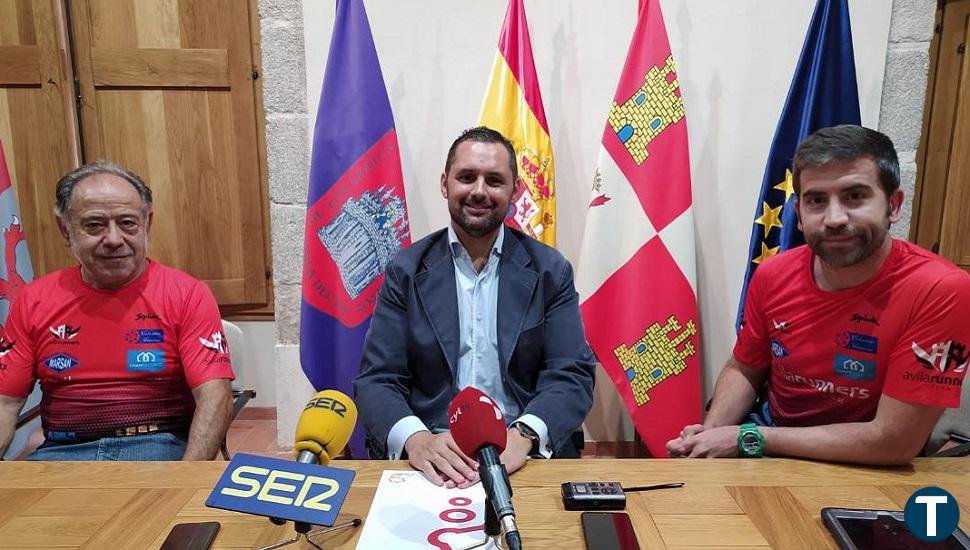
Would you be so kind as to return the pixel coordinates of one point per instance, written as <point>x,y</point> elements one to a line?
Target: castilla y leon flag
<point>16,270</point>
<point>356,217</point>
<point>636,276</point>
<point>823,93</point>
<point>513,106</point>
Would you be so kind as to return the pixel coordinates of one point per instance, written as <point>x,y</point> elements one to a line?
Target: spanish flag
<point>513,106</point>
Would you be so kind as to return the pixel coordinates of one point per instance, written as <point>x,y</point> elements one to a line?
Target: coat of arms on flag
<point>356,216</point>
<point>513,106</point>
<point>636,276</point>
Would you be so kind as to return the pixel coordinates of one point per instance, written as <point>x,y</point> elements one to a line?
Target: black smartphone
<point>608,531</point>
<point>191,536</point>
<point>882,530</point>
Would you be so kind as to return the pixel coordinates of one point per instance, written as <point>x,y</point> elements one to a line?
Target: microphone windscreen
<point>326,424</point>
<point>475,421</point>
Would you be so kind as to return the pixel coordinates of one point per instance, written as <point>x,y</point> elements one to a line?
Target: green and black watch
<point>751,442</point>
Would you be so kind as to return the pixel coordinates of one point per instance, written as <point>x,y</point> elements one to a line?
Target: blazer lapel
<point>516,284</point>
<point>438,296</point>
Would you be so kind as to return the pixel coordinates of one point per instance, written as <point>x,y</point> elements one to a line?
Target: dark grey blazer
<point>410,357</point>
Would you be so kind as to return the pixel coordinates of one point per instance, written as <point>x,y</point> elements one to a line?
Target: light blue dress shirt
<point>478,359</point>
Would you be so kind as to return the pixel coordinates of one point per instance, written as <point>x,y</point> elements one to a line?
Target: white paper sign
<point>409,512</point>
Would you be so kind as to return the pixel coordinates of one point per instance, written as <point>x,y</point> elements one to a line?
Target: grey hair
<point>65,187</point>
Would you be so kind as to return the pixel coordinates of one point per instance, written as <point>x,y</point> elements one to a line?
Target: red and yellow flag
<point>513,106</point>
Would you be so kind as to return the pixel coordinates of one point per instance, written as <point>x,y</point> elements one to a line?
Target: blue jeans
<point>154,446</point>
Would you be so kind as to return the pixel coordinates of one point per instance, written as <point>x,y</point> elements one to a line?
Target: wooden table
<point>725,503</point>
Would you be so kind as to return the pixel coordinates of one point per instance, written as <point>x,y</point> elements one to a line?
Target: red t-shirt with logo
<point>112,359</point>
<point>904,333</point>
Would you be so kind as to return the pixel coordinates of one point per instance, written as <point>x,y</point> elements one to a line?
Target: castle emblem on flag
<point>656,357</point>
<point>364,236</point>
<point>649,111</point>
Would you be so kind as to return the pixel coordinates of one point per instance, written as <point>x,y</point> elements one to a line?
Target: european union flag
<point>356,217</point>
<point>823,93</point>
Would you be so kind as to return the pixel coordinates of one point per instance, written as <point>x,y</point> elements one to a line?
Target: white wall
<point>257,371</point>
<point>735,62</point>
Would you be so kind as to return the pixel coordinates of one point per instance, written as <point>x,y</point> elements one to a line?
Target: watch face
<point>750,442</point>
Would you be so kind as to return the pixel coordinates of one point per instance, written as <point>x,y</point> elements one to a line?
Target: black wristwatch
<point>529,434</point>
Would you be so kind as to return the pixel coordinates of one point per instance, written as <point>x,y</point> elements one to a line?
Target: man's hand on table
<point>697,442</point>
<point>443,463</point>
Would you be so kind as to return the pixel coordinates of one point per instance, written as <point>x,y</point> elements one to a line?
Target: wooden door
<point>942,199</point>
<point>37,119</point>
<point>168,90</point>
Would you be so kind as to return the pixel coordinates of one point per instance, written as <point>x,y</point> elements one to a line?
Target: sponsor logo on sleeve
<point>218,345</point>
<point>60,362</point>
<point>854,368</point>
<point>944,361</point>
<point>943,356</point>
<point>146,360</point>
<point>857,342</point>
<point>146,336</point>
<point>215,343</point>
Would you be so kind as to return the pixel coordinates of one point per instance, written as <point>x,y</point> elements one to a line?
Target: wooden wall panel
<point>36,122</point>
<point>171,94</point>
<point>942,195</point>
<point>955,223</point>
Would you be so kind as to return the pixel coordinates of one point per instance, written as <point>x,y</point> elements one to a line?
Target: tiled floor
<point>254,432</point>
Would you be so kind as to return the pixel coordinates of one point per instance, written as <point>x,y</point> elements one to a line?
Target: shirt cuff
<point>399,434</point>
<point>540,428</point>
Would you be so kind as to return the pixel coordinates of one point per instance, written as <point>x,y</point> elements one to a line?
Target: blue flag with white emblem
<point>823,93</point>
<point>356,217</point>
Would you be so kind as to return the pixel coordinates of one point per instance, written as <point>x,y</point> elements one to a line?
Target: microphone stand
<point>303,531</point>
<point>493,529</point>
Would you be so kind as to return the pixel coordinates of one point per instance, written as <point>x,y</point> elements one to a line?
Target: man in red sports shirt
<point>854,344</point>
<point>130,354</point>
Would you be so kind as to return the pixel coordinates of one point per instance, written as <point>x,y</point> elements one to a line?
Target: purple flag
<point>356,216</point>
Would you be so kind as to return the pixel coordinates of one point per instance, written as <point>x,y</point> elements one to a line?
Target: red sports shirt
<point>112,359</point>
<point>832,354</point>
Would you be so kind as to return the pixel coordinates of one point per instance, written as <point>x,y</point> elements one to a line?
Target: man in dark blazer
<point>476,304</point>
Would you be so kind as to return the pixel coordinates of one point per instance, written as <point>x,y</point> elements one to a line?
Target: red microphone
<point>478,428</point>
<point>475,421</point>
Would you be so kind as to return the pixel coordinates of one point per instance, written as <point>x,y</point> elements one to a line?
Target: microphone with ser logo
<point>306,492</point>
<point>478,428</point>
<point>322,432</point>
<point>324,428</point>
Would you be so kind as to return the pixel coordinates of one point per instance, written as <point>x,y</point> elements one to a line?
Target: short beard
<point>868,244</point>
<point>477,228</point>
